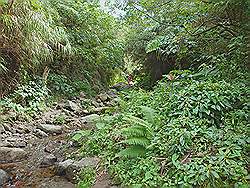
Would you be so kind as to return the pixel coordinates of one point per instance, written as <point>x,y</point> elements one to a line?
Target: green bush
<point>26,99</point>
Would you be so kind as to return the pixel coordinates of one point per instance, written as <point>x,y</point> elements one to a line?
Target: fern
<point>133,131</point>
<point>149,114</point>
<point>133,151</point>
<point>139,141</point>
<point>139,133</point>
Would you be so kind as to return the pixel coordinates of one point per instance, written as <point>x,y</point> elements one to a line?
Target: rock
<point>3,177</point>
<point>90,118</point>
<point>50,129</point>
<point>95,103</point>
<point>112,93</point>
<point>26,129</point>
<point>1,129</point>
<point>48,160</point>
<point>50,147</point>
<point>12,154</point>
<point>8,128</point>
<point>39,133</point>
<point>82,96</point>
<point>104,97</point>
<point>5,143</point>
<point>73,106</point>
<point>99,109</point>
<point>16,142</point>
<point>88,162</point>
<point>58,183</point>
<point>62,166</point>
<point>20,144</point>
<point>70,168</point>
<point>120,86</point>
<point>60,105</point>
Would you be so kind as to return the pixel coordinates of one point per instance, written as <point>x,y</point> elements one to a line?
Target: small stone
<point>3,177</point>
<point>95,104</point>
<point>87,162</point>
<point>16,142</point>
<point>62,167</point>
<point>49,147</point>
<point>90,118</point>
<point>5,143</point>
<point>20,144</point>
<point>50,129</point>
<point>99,109</point>
<point>82,96</point>
<point>59,183</point>
<point>8,128</point>
<point>70,168</point>
<point>104,97</point>
<point>72,106</point>
<point>1,129</point>
<point>39,133</point>
<point>12,154</point>
<point>24,128</point>
<point>48,160</point>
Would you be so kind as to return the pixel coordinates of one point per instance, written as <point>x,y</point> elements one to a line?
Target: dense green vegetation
<point>185,123</point>
<point>193,134</point>
<point>70,45</point>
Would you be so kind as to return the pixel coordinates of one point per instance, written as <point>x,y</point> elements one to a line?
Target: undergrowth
<point>194,133</point>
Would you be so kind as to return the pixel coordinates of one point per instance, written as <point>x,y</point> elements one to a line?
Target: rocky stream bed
<point>36,154</point>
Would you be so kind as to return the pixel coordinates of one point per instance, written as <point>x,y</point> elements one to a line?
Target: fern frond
<point>149,114</point>
<point>133,151</point>
<point>134,131</point>
<point>137,141</point>
<point>137,120</point>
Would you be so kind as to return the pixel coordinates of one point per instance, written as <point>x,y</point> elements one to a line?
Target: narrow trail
<point>36,154</point>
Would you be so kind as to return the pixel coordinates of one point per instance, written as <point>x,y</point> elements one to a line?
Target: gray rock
<point>56,182</point>
<point>50,129</point>
<point>50,147</point>
<point>1,129</point>
<point>112,93</point>
<point>3,177</point>
<point>104,97</point>
<point>39,133</point>
<point>82,96</point>
<point>60,105</point>
<point>16,142</point>
<point>73,106</point>
<point>5,143</point>
<point>95,104</point>
<point>12,154</point>
<point>99,109</point>
<point>8,128</point>
<point>87,162</point>
<point>90,118</point>
<point>70,168</point>
<point>48,160</point>
<point>62,166</point>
